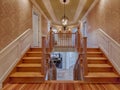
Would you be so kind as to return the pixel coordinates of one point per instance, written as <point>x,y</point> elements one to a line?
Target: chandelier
<point>64,18</point>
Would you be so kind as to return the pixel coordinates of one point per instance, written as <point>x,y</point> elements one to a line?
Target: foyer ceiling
<point>74,10</point>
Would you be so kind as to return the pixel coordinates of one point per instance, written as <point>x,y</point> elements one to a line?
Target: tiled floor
<point>65,74</point>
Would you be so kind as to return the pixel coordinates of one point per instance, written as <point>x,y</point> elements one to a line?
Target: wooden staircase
<point>29,68</point>
<point>99,67</point>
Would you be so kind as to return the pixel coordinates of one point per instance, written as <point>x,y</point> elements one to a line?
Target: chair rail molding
<point>110,47</point>
<point>11,54</point>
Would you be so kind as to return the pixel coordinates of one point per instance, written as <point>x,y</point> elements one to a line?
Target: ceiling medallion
<point>66,2</point>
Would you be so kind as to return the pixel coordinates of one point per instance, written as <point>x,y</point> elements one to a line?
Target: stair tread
<point>35,49</point>
<point>99,65</point>
<point>29,65</point>
<point>34,52</point>
<point>96,58</point>
<point>32,57</point>
<point>102,74</point>
<point>94,52</point>
<point>26,74</point>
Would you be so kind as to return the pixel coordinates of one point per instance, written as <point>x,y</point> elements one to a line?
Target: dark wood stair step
<point>93,49</point>
<point>94,54</point>
<point>26,74</point>
<point>106,77</point>
<point>26,77</point>
<point>29,65</point>
<point>99,67</point>
<point>92,60</point>
<point>34,54</point>
<point>32,59</point>
<point>35,49</point>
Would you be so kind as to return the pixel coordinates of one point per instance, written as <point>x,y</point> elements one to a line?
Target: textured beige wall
<point>105,15</point>
<point>44,25</point>
<point>15,18</point>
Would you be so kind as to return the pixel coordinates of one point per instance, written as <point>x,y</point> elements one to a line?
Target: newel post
<point>43,54</point>
<point>51,39</point>
<point>79,40</point>
<point>85,62</point>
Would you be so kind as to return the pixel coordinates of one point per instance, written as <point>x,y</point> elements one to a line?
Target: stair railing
<point>84,55</point>
<point>52,71</point>
<point>81,65</point>
<point>77,69</point>
<point>51,40</point>
<point>48,67</point>
<point>44,59</point>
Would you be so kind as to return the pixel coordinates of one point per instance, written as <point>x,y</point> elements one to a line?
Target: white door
<point>35,30</point>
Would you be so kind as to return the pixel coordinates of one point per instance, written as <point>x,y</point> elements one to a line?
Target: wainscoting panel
<point>11,54</point>
<point>110,47</point>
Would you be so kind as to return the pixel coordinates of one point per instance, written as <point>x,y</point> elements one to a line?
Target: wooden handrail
<point>43,55</point>
<point>81,65</point>
<point>84,51</point>
<point>47,64</point>
<point>78,41</point>
<point>51,40</point>
<point>77,71</point>
<point>52,71</point>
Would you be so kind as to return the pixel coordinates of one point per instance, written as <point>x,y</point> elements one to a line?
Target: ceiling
<point>74,10</point>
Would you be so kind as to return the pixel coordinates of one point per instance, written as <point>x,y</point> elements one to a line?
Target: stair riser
<point>31,61</point>
<point>26,80</point>
<point>102,80</point>
<point>94,55</point>
<point>36,49</point>
<point>99,69</point>
<point>93,50</point>
<point>96,61</point>
<point>28,69</point>
<point>34,54</point>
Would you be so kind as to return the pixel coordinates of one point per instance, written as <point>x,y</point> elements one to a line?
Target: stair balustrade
<point>64,40</point>
<point>52,71</point>
<point>47,64</point>
<point>80,67</point>
<point>43,55</point>
<point>84,55</point>
<point>77,69</point>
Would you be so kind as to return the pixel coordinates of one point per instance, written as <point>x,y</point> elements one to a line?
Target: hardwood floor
<point>62,86</point>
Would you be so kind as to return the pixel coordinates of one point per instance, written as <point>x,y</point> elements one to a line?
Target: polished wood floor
<point>62,86</point>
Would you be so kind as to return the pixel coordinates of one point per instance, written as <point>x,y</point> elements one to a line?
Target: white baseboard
<point>10,55</point>
<point>110,47</point>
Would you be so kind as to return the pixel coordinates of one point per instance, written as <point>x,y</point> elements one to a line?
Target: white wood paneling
<point>110,47</point>
<point>11,54</point>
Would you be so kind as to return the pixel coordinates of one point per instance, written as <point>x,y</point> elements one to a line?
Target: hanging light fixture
<point>64,18</point>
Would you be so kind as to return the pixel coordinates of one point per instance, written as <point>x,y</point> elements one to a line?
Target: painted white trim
<point>34,9</point>
<point>109,37</point>
<point>91,7</point>
<point>13,42</point>
<point>79,9</point>
<point>50,9</point>
<point>11,54</point>
<point>37,6</point>
<point>110,47</point>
